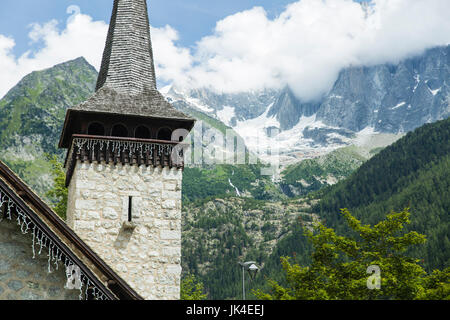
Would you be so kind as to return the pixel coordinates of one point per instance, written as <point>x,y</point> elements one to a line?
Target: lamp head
<point>253,270</point>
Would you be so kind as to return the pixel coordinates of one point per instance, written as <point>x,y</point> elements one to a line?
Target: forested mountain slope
<point>220,232</point>
<point>413,172</point>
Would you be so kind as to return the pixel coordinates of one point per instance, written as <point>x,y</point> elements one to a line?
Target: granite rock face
<point>288,109</point>
<point>391,98</point>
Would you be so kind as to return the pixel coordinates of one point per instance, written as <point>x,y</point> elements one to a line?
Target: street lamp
<point>252,269</point>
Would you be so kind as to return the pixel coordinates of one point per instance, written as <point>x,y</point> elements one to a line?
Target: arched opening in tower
<point>96,129</point>
<point>165,134</point>
<point>119,131</point>
<point>142,132</point>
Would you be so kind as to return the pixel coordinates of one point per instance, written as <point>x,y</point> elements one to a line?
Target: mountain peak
<point>73,73</point>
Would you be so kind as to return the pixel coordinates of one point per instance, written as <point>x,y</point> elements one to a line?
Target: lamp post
<point>252,269</point>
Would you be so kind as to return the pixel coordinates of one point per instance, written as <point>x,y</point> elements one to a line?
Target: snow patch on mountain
<point>165,90</point>
<point>235,188</point>
<point>369,139</point>
<point>435,92</point>
<point>175,94</point>
<point>198,104</point>
<point>417,78</point>
<point>226,115</point>
<point>263,137</point>
<point>401,104</point>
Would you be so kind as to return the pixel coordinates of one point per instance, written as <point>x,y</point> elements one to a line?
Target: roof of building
<point>33,211</point>
<point>148,103</point>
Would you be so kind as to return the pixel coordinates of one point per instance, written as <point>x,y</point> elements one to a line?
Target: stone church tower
<point>123,162</point>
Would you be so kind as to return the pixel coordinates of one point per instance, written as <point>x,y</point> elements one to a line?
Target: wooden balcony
<point>132,151</point>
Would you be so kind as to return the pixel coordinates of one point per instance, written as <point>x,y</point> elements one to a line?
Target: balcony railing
<point>132,151</point>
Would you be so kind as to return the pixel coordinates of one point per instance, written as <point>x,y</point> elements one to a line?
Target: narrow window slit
<point>130,209</point>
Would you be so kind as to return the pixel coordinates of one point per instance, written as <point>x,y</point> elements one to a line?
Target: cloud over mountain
<point>311,41</point>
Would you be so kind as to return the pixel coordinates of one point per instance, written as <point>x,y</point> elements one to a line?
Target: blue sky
<point>229,45</point>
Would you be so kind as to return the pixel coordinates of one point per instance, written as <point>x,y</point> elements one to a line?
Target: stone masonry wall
<point>25,278</point>
<point>147,257</point>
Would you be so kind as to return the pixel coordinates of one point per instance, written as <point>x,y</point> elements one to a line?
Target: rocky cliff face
<point>288,109</point>
<point>391,98</point>
<point>365,100</point>
<point>228,108</point>
<point>383,98</point>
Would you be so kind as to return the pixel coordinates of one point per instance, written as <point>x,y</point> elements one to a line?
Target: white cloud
<point>311,41</point>
<point>305,47</point>
<point>81,37</point>
<point>172,63</point>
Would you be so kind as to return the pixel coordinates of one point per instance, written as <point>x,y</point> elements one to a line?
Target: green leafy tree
<point>192,289</point>
<point>339,268</point>
<point>58,193</point>
<point>437,286</point>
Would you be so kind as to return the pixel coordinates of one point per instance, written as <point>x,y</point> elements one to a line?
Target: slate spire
<point>127,65</point>
<point>126,85</point>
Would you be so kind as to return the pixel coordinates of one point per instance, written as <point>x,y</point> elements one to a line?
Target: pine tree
<point>192,289</point>
<point>58,194</point>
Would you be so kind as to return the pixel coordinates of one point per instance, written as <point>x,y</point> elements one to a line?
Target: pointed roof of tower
<point>126,83</point>
<point>127,64</point>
